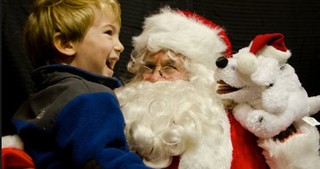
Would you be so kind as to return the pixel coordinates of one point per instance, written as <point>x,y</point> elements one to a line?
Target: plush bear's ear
<point>266,72</point>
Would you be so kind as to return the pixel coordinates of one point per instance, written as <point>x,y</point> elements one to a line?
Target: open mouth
<point>224,88</point>
<point>110,64</point>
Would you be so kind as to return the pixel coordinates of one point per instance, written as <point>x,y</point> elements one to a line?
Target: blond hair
<point>70,18</point>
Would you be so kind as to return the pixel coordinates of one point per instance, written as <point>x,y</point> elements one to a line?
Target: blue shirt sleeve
<point>91,126</point>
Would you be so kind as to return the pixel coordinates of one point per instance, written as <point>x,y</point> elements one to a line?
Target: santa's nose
<point>156,76</point>
<point>222,62</point>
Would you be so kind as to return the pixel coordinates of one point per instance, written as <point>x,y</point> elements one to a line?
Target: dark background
<point>298,20</point>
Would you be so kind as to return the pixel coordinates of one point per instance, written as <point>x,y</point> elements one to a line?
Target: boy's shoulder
<point>54,90</point>
<point>79,84</point>
<point>72,78</point>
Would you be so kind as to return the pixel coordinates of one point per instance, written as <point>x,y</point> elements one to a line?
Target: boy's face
<point>100,49</point>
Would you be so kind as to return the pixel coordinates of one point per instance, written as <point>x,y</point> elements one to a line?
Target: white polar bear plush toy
<point>271,103</point>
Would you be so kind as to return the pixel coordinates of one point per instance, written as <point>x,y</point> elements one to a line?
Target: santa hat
<point>184,32</point>
<point>13,155</point>
<point>266,45</point>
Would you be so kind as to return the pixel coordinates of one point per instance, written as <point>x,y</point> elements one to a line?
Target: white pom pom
<point>247,63</point>
<point>12,141</point>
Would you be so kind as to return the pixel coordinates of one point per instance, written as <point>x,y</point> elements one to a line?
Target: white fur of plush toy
<point>272,98</point>
<point>269,98</point>
<point>300,150</point>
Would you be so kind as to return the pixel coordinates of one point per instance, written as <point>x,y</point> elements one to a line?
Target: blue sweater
<point>74,121</point>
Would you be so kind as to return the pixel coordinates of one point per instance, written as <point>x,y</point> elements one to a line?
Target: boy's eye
<point>109,32</point>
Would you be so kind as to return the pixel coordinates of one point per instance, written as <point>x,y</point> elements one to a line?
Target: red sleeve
<point>16,158</point>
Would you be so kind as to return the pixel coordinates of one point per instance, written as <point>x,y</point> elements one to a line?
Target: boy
<point>73,120</point>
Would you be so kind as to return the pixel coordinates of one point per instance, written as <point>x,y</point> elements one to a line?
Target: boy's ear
<point>63,46</point>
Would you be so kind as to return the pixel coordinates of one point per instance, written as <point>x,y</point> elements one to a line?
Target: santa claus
<point>173,117</point>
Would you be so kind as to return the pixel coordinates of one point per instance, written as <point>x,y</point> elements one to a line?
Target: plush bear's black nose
<point>222,62</point>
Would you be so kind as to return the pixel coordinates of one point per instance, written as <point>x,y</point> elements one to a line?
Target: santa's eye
<point>148,68</point>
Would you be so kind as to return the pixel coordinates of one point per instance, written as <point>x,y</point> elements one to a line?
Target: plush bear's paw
<point>262,124</point>
<point>257,121</point>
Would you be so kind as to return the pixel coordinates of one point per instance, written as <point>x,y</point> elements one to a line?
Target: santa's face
<point>163,66</point>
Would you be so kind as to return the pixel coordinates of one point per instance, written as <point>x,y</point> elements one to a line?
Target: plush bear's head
<point>251,69</point>
<point>268,94</point>
<point>243,87</point>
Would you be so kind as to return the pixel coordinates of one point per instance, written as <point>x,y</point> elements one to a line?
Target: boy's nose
<point>119,47</point>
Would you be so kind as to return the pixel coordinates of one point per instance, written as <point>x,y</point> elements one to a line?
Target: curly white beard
<point>170,118</point>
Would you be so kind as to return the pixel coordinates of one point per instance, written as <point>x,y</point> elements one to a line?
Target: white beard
<point>176,118</point>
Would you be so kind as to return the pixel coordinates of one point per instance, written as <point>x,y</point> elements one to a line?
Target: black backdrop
<point>298,20</point>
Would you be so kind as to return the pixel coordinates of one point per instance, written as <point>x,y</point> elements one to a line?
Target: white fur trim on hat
<point>11,141</point>
<point>270,45</point>
<point>170,29</point>
<point>280,56</point>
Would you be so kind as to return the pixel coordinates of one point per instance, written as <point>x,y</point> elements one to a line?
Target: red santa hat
<point>266,45</point>
<point>222,34</point>
<point>13,155</point>
<point>184,32</point>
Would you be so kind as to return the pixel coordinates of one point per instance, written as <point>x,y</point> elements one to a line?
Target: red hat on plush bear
<point>268,45</point>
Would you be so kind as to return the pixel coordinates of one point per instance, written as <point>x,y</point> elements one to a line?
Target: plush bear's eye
<point>233,67</point>
<point>270,85</point>
<point>282,67</point>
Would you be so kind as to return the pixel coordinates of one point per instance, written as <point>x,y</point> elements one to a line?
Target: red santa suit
<point>246,154</point>
<point>13,155</point>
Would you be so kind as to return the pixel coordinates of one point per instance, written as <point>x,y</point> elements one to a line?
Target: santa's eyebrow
<point>149,63</point>
<point>170,62</point>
